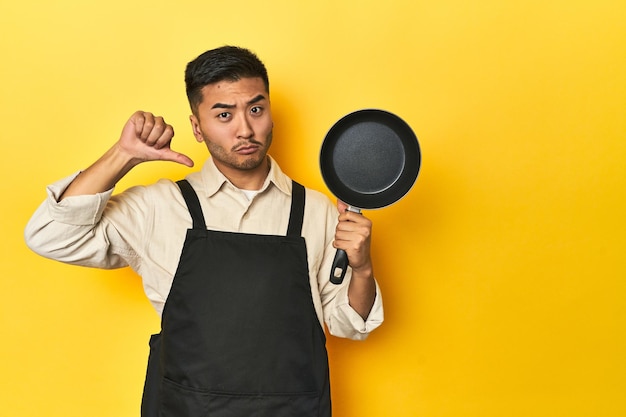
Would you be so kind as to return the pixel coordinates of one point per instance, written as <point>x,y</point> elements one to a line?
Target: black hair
<point>225,63</point>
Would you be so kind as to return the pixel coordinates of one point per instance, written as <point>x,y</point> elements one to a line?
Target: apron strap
<point>296,217</point>
<point>193,204</point>
<point>297,209</point>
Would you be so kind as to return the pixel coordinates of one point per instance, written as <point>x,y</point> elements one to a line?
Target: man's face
<point>235,121</point>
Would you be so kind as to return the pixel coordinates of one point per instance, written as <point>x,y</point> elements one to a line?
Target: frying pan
<point>369,159</point>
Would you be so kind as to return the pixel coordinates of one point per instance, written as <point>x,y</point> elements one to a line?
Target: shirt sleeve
<point>344,321</point>
<point>71,230</point>
<point>340,318</point>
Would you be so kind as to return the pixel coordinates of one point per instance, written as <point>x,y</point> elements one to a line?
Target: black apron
<point>239,333</point>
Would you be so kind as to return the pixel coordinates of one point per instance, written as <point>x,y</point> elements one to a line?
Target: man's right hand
<point>144,138</point>
<point>147,137</point>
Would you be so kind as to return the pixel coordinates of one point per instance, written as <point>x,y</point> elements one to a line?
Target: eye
<point>224,115</point>
<point>256,110</point>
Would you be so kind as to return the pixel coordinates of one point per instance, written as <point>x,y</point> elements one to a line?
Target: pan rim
<point>409,171</point>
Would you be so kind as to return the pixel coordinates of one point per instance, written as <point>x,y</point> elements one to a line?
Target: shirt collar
<point>213,179</point>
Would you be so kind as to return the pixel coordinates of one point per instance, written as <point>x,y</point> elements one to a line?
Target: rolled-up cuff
<point>349,324</point>
<point>85,209</point>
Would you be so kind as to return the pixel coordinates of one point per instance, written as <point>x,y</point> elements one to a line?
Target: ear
<point>195,127</point>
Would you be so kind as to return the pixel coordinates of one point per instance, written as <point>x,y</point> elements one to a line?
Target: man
<point>236,257</point>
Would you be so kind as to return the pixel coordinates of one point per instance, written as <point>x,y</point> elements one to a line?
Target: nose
<point>244,128</point>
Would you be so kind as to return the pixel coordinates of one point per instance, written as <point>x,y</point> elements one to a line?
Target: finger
<point>144,129</point>
<point>169,155</point>
<point>353,231</point>
<point>352,242</point>
<point>341,206</point>
<point>346,225</point>
<point>153,130</point>
<point>165,137</point>
<point>353,221</point>
<point>138,120</point>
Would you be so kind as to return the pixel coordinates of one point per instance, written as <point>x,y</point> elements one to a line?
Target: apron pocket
<point>264,405</point>
<point>181,401</point>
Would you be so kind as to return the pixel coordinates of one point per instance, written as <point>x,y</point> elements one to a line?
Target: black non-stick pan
<point>369,159</point>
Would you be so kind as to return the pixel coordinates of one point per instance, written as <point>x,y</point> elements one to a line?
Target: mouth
<point>247,149</point>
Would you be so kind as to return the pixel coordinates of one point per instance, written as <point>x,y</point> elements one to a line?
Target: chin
<point>252,163</point>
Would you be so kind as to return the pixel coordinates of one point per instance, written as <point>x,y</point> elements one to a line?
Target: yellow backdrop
<point>503,270</point>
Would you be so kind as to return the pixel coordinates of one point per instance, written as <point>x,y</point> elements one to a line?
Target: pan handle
<point>339,268</point>
<point>340,263</point>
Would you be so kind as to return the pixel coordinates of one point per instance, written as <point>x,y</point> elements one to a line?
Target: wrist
<point>121,159</point>
<point>363,272</point>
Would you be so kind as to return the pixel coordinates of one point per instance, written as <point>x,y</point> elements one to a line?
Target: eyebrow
<point>258,98</point>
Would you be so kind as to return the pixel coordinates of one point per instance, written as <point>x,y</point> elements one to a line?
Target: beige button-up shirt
<point>144,227</point>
